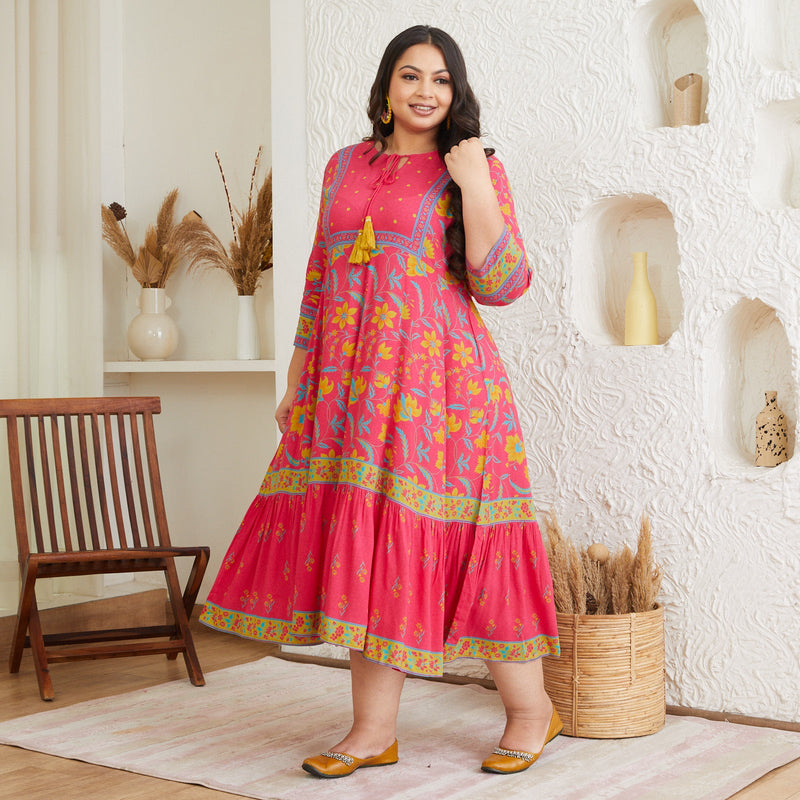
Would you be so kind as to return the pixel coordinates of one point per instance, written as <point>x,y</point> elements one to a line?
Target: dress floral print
<point>396,515</point>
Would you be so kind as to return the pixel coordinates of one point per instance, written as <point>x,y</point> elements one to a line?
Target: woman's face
<point>420,90</point>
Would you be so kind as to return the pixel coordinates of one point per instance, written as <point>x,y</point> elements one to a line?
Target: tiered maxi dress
<point>396,517</point>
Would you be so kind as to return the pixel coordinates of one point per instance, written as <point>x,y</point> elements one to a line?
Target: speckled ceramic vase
<point>771,434</point>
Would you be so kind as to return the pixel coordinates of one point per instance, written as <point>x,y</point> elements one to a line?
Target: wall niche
<point>774,27</point>
<point>668,40</point>
<point>607,235</point>
<point>746,355</point>
<point>775,180</point>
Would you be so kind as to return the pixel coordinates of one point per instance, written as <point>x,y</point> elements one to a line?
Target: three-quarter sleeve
<point>312,291</point>
<point>505,275</point>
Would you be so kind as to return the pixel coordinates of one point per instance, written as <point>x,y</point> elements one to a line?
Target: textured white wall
<point>616,431</point>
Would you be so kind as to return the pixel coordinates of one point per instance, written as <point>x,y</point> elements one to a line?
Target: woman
<point>395,518</point>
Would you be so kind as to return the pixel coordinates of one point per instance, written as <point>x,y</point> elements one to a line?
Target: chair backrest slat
<point>127,486</point>
<point>47,487</point>
<point>140,481</point>
<point>73,483</point>
<point>17,491</point>
<point>155,481</point>
<point>37,523</point>
<point>102,495</point>
<point>88,493</point>
<point>111,461</point>
<point>62,495</point>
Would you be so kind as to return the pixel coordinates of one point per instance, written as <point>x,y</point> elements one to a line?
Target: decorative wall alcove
<point>774,27</point>
<point>668,40</point>
<point>605,238</point>
<point>747,354</point>
<point>776,166</point>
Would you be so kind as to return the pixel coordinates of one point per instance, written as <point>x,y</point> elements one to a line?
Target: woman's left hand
<point>466,162</point>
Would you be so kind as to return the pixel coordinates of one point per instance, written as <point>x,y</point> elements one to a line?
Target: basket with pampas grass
<point>152,334</point>
<point>245,260</point>
<point>609,680</point>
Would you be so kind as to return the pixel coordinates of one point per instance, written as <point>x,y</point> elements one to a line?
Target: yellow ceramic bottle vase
<point>641,320</point>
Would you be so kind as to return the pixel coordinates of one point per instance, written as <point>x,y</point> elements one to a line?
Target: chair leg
<point>194,581</point>
<point>182,625</point>
<point>27,598</point>
<point>40,664</point>
<point>28,622</point>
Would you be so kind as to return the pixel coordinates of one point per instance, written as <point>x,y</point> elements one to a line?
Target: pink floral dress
<point>396,515</point>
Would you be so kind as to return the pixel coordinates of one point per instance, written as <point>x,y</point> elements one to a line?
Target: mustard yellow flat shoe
<point>506,762</point>
<point>337,765</point>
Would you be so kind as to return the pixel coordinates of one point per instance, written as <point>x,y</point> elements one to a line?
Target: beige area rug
<point>247,731</point>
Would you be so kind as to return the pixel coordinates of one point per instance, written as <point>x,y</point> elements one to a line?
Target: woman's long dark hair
<point>464,120</point>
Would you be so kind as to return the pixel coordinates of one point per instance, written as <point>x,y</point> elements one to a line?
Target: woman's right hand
<point>284,407</point>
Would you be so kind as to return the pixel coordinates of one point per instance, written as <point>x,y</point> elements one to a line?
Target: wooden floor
<point>34,776</point>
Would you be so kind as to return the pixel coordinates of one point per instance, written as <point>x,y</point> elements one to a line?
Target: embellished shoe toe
<point>506,762</point>
<point>338,765</point>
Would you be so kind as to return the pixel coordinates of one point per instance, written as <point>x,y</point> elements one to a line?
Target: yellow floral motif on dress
<point>345,315</point>
<point>432,343</point>
<point>463,354</point>
<point>515,449</point>
<point>384,316</point>
<point>385,352</point>
<point>406,408</point>
<point>298,418</point>
<point>356,388</point>
<point>443,207</point>
<point>416,268</point>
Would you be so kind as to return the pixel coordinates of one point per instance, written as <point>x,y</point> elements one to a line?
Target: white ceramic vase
<point>247,343</point>
<point>153,334</point>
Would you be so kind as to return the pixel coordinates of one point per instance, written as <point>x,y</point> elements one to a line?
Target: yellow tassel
<point>364,244</point>
<point>369,234</point>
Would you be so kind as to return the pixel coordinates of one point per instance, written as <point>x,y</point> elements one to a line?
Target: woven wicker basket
<point>609,681</point>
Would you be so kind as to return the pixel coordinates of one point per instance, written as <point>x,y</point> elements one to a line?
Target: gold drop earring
<point>386,114</point>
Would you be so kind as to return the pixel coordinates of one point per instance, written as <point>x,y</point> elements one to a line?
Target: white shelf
<point>218,365</point>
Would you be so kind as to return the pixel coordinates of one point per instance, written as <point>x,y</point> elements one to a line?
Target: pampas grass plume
<point>645,576</point>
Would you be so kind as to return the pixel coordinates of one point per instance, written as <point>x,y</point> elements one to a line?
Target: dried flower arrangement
<point>157,258</point>
<point>251,249</point>
<point>593,581</point>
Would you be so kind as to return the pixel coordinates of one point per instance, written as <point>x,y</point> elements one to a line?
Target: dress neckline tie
<point>364,246</point>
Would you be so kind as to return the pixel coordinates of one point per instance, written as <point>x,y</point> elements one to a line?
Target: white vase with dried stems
<point>152,333</point>
<point>249,255</point>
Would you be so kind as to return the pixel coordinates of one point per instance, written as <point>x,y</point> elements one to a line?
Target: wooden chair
<point>93,496</point>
